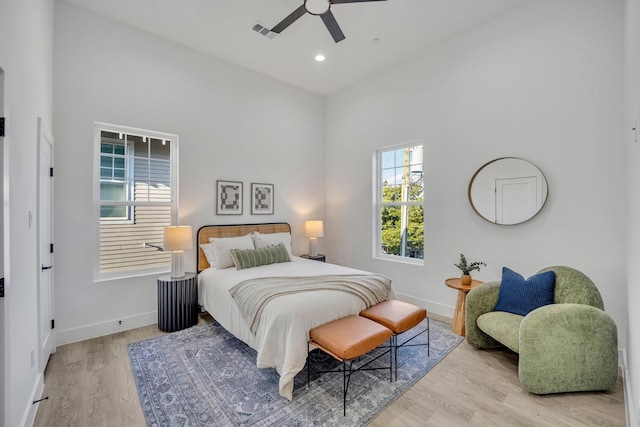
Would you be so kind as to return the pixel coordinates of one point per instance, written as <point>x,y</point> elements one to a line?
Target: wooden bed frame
<point>207,231</point>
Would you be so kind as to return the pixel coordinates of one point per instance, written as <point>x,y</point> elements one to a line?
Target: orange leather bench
<point>399,317</point>
<point>347,339</point>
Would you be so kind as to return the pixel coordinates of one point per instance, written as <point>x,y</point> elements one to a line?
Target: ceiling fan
<point>321,8</point>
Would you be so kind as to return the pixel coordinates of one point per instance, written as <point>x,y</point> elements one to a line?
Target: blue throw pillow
<point>520,296</point>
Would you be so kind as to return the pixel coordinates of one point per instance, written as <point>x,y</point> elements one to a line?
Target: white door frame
<point>46,336</point>
<point>4,257</point>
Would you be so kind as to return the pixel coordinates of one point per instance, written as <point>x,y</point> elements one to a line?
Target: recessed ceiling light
<point>320,57</point>
<point>376,40</point>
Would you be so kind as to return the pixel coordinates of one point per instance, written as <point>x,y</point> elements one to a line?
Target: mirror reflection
<point>508,191</point>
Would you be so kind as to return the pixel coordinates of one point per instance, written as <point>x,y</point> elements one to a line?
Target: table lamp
<point>177,238</point>
<point>313,230</point>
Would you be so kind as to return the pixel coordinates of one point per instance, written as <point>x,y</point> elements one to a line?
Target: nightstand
<point>177,302</point>
<point>319,257</point>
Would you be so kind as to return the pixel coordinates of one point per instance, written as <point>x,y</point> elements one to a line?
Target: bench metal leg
<point>395,346</point>
<point>308,365</point>
<point>346,373</point>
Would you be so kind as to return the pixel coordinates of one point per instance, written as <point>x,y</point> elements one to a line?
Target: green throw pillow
<point>248,258</point>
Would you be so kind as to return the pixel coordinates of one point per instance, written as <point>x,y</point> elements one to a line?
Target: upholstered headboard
<point>207,231</point>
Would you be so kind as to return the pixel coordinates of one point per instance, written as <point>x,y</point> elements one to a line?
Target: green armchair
<point>571,345</point>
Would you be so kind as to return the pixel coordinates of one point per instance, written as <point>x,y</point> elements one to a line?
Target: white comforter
<point>281,339</point>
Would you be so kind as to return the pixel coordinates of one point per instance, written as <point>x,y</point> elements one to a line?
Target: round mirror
<point>508,191</point>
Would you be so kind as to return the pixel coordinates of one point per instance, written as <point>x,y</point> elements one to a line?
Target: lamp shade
<point>177,238</point>
<point>313,228</point>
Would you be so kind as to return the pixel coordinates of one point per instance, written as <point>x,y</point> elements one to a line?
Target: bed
<point>281,336</point>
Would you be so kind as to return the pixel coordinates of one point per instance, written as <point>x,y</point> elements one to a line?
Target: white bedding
<point>281,339</point>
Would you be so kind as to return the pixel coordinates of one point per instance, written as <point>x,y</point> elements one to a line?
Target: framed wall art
<point>228,198</point>
<point>261,199</point>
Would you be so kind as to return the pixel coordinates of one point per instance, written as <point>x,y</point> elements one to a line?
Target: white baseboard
<point>29,414</point>
<point>431,306</point>
<point>100,329</point>
<point>629,407</point>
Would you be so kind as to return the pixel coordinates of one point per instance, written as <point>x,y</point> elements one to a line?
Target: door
<point>3,253</point>
<point>45,245</point>
<point>516,199</point>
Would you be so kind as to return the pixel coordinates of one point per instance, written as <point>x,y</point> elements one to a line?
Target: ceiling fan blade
<point>350,1</point>
<point>332,25</point>
<point>293,17</point>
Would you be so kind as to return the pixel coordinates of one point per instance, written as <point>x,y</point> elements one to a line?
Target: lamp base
<point>177,264</point>
<point>313,246</point>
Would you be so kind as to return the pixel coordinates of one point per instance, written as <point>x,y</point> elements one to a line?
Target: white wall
<point>632,53</point>
<point>26,58</point>
<point>233,124</point>
<point>542,82</point>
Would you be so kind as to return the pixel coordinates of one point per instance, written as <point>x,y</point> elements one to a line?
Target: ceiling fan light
<point>317,7</point>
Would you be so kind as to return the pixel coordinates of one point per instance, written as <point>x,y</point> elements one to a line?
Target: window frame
<point>128,219</point>
<point>98,275</point>
<point>378,204</point>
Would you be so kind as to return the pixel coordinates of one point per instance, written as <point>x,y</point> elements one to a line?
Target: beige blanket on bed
<point>252,295</point>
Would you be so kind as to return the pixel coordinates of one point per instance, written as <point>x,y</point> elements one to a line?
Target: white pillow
<point>261,240</point>
<point>207,248</point>
<point>222,246</point>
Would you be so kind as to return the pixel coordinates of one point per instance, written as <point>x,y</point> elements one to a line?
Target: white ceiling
<point>223,28</point>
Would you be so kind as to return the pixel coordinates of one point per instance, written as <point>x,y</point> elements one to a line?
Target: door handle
<point>47,267</point>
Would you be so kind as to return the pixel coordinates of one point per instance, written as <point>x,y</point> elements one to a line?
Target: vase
<point>465,279</point>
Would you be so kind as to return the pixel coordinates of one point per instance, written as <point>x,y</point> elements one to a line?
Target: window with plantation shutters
<point>136,197</point>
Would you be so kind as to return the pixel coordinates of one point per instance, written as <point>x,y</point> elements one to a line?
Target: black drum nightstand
<point>177,302</point>
<point>319,257</point>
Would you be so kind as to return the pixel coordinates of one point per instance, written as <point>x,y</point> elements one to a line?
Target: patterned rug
<point>203,376</point>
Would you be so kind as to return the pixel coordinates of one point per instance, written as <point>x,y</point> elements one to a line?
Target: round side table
<point>458,316</point>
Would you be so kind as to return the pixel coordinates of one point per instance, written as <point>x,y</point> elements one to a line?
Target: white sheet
<point>281,340</point>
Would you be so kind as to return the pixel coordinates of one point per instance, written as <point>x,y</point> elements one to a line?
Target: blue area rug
<point>203,376</point>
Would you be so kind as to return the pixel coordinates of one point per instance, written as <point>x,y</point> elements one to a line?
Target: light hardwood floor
<point>89,384</point>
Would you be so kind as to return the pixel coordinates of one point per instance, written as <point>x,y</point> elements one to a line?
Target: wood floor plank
<point>90,384</point>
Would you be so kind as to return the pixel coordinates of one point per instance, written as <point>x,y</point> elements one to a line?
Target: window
<point>113,179</point>
<point>399,203</point>
<point>136,197</point>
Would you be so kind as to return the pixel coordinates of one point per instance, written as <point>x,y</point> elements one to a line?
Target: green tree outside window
<point>402,211</point>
